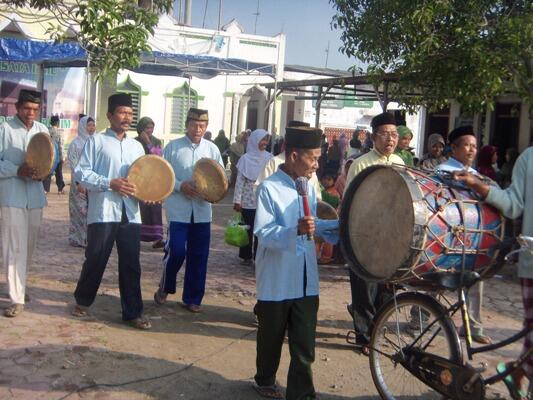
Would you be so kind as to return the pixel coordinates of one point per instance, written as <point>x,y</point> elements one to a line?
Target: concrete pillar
<point>524,130</point>
<point>105,88</point>
<point>243,109</point>
<point>455,112</point>
<point>235,129</point>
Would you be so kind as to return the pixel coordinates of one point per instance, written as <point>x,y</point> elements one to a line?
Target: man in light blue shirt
<point>515,201</point>
<point>113,214</point>
<point>286,268</point>
<point>188,214</point>
<point>463,143</point>
<point>22,197</point>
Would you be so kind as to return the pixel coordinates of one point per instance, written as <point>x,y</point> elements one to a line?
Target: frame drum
<point>325,210</point>
<point>40,155</point>
<point>153,178</point>
<point>398,224</point>
<point>210,180</point>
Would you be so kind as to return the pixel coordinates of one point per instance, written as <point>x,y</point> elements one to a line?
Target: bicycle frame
<point>461,306</point>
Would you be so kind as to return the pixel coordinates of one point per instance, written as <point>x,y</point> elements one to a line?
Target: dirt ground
<point>45,353</point>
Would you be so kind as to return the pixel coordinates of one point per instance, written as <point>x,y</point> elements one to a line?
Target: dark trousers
<point>59,179</point>
<point>187,242</point>
<point>299,318</point>
<point>100,240</point>
<point>366,299</point>
<point>248,252</point>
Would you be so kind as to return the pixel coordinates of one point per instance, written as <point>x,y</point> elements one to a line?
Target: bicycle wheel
<point>400,324</point>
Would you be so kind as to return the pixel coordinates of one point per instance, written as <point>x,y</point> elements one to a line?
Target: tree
<point>468,50</point>
<point>114,33</point>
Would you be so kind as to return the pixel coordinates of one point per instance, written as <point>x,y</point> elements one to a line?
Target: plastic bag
<point>236,233</point>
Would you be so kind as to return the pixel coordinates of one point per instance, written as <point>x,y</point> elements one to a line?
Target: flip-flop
<point>515,393</point>
<point>194,308</point>
<point>139,323</point>
<point>483,339</point>
<point>160,297</point>
<point>269,392</point>
<point>13,310</point>
<point>80,311</point>
<point>363,348</point>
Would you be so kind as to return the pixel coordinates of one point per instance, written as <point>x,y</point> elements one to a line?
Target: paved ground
<point>45,353</point>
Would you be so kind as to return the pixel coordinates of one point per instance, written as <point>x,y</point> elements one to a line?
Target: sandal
<point>80,311</point>
<point>514,391</point>
<point>13,310</point>
<point>194,308</point>
<point>269,392</point>
<point>140,323</point>
<point>361,346</point>
<point>160,297</point>
<point>483,339</point>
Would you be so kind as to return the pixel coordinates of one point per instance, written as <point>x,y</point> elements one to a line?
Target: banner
<point>63,93</point>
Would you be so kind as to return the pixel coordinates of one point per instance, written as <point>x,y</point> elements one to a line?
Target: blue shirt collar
<point>110,132</point>
<point>189,141</point>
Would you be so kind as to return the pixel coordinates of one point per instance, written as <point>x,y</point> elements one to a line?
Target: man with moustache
<point>366,296</point>
<point>286,268</point>
<point>113,215</point>
<point>273,164</point>
<point>22,197</point>
<point>188,214</point>
<point>463,143</point>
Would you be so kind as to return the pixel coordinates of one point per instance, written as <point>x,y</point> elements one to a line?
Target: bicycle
<point>414,336</point>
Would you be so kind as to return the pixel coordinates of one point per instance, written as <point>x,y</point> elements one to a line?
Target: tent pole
<point>189,92</point>
<point>40,86</point>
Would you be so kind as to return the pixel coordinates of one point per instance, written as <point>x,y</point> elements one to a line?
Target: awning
<point>71,54</point>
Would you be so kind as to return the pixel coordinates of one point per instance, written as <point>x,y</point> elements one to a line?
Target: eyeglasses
<point>385,135</point>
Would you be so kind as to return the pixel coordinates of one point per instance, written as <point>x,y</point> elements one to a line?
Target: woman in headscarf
<point>434,156</point>
<point>487,157</point>
<point>222,143</point>
<point>511,154</point>
<point>334,157</point>
<point>403,149</point>
<point>343,144</point>
<point>236,150</point>
<point>250,165</point>
<point>340,183</point>
<point>151,215</point>
<point>77,197</point>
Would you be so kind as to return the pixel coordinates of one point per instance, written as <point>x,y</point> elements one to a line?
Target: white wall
<point>222,94</point>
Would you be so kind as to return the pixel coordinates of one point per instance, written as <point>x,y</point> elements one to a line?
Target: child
<point>403,150</point>
<point>324,251</point>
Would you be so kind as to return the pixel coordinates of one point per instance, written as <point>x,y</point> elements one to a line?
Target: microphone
<point>302,186</point>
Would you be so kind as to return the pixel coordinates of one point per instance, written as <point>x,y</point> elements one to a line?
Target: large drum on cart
<point>399,224</point>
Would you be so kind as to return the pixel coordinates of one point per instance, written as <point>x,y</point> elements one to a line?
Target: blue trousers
<point>190,242</point>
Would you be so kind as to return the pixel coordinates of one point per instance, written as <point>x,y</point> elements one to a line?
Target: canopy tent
<point>71,54</point>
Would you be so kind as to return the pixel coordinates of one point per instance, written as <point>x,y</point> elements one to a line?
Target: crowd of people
<point>267,192</point>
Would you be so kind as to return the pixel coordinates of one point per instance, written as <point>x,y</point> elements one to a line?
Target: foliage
<point>469,50</point>
<point>114,33</point>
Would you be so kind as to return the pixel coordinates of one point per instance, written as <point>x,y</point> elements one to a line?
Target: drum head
<point>153,178</point>
<point>325,211</point>
<point>377,223</point>
<point>210,180</point>
<point>40,154</point>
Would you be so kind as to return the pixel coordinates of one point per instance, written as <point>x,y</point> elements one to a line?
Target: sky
<point>306,24</point>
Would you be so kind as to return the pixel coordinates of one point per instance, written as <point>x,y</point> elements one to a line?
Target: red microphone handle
<point>307,213</point>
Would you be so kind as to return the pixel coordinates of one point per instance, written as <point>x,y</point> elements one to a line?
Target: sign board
<point>343,100</point>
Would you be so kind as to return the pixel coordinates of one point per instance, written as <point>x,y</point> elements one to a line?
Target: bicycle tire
<point>448,337</point>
